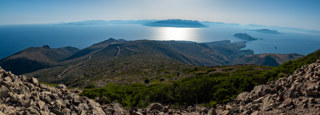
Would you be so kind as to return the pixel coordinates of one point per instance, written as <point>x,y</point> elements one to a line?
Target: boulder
<point>243,97</point>
<point>66,111</point>
<point>267,103</point>
<point>136,113</point>
<point>34,80</point>
<point>98,111</point>
<point>4,91</point>
<point>155,106</point>
<point>61,86</point>
<point>191,109</point>
<point>255,113</point>
<point>41,104</point>
<point>118,109</point>
<point>212,111</point>
<point>7,79</point>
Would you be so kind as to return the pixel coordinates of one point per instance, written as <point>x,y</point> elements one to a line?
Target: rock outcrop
<point>295,94</point>
<point>25,95</point>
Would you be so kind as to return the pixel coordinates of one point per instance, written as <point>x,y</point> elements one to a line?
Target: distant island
<point>244,36</point>
<point>176,23</point>
<point>267,31</point>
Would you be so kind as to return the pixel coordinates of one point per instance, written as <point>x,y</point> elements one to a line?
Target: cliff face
<point>295,94</point>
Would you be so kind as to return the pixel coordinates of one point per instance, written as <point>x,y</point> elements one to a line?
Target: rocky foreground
<point>298,93</point>
<point>294,94</point>
<point>21,95</point>
<point>25,95</point>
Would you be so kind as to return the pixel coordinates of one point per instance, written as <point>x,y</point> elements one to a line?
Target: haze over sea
<point>35,23</point>
<point>15,38</point>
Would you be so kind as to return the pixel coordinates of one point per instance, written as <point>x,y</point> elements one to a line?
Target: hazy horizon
<point>284,13</point>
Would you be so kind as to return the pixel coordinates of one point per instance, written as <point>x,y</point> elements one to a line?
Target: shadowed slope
<point>35,58</point>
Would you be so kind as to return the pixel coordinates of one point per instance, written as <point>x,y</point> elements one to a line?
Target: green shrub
<point>203,88</point>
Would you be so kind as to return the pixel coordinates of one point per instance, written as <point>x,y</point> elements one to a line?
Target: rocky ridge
<point>295,94</point>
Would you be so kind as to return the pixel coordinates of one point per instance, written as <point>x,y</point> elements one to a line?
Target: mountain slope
<point>136,59</point>
<point>198,53</point>
<point>125,62</point>
<point>230,50</point>
<point>94,48</point>
<point>219,85</point>
<point>265,59</point>
<point>35,58</point>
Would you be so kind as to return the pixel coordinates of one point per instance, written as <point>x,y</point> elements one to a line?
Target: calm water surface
<point>19,37</point>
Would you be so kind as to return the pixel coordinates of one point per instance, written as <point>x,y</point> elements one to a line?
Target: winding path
<point>118,51</point>
<point>65,70</point>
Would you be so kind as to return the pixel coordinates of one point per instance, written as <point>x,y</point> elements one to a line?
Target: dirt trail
<point>65,70</point>
<point>118,51</point>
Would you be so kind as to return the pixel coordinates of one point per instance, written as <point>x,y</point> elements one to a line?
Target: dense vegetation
<point>206,87</point>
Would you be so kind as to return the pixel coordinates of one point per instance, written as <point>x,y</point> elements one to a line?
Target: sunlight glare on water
<point>178,34</point>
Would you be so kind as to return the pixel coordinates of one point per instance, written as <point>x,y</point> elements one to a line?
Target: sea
<point>14,38</point>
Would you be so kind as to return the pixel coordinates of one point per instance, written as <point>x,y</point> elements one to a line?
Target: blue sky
<point>287,13</point>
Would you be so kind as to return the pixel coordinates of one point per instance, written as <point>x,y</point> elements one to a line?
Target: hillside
<point>131,61</point>
<point>266,59</point>
<point>35,58</point>
<point>294,92</point>
<point>231,50</point>
<point>234,90</point>
<point>125,62</point>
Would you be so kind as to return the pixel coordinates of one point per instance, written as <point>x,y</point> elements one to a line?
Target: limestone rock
<point>4,91</point>
<point>295,94</point>
<point>155,106</point>
<point>61,86</point>
<point>212,111</point>
<point>24,95</point>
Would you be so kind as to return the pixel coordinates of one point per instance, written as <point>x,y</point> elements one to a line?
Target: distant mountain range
<point>129,61</point>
